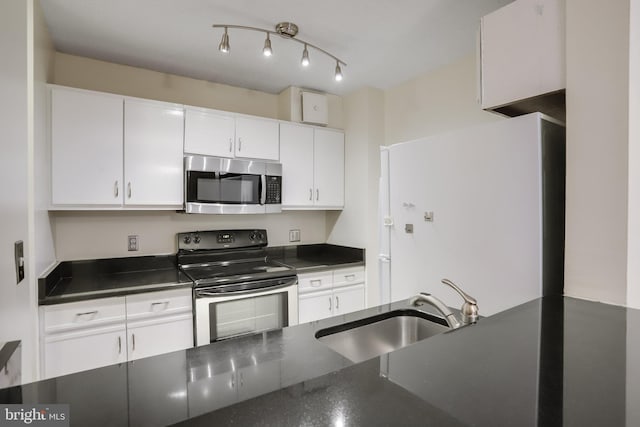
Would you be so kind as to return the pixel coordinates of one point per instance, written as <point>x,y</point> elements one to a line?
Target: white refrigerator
<point>482,206</point>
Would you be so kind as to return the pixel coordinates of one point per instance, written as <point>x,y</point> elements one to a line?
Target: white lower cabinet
<point>330,293</point>
<point>90,334</point>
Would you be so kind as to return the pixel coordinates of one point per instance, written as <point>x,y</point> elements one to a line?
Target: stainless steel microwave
<point>215,185</point>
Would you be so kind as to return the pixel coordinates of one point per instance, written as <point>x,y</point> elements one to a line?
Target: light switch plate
<point>294,235</point>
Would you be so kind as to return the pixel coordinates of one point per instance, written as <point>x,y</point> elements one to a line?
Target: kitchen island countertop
<point>552,361</point>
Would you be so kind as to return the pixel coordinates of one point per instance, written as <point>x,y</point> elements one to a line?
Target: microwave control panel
<point>274,186</point>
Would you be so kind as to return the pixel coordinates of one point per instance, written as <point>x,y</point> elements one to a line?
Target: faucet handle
<point>470,306</point>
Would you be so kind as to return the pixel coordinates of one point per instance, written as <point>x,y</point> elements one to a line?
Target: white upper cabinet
<point>86,155</point>
<point>257,138</point>
<point>328,154</point>
<point>296,156</point>
<point>112,152</point>
<point>312,167</point>
<point>209,132</point>
<point>522,52</point>
<point>153,135</point>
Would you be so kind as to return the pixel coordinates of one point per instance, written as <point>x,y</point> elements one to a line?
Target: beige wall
<point>435,102</point>
<point>597,149</point>
<point>357,224</point>
<point>86,73</point>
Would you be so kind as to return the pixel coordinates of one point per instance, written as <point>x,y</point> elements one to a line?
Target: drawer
<point>310,282</point>
<point>83,314</point>
<point>159,303</point>
<point>348,276</point>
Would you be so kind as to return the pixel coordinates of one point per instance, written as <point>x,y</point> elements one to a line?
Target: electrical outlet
<point>294,235</point>
<point>132,242</point>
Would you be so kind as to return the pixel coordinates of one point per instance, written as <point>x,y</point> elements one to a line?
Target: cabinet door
<point>328,149</point>
<point>153,156</point>
<point>83,350</point>
<point>208,132</point>
<point>296,156</point>
<point>522,51</point>
<point>158,336</point>
<point>315,306</point>
<point>257,138</point>
<point>86,148</point>
<point>348,299</point>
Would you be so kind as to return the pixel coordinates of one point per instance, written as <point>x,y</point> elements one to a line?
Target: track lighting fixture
<point>305,57</point>
<point>267,47</point>
<point>224,44</point>
<point>287,30</point>
<point>338,72</point>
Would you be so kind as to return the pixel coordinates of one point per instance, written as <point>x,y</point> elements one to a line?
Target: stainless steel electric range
<point>237,289</point>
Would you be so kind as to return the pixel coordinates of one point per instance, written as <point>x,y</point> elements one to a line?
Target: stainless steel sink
<point>373,336</point>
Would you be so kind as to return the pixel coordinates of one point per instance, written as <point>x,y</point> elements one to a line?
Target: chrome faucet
<point>469,308</point>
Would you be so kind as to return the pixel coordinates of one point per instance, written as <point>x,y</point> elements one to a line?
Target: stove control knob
<point>253,236</point>
<point>196,239</point>
<point>187,239</point>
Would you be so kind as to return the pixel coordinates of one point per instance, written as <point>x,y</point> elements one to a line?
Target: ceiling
<point>383,42</point>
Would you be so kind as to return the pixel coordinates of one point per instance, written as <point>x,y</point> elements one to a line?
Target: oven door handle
<point>205,293</point>
<point>263,189</point>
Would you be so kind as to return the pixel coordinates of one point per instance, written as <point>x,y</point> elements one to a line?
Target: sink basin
<point>373,336</point>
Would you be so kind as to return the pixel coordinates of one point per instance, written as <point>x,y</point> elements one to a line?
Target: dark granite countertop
<point>550,362</point>
<point>82,280</point>
<point>309,258</point>
<point>73,281</point>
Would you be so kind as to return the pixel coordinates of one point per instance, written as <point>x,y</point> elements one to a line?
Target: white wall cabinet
<point>86,148</point>
<point>153,139</point>
<point>332,293</point>
<point>112,152</point>
<point>522,51</point>
<point>222,134</point>
<point>89,334</point>
<point>312,167</point>
<point>209,132</point>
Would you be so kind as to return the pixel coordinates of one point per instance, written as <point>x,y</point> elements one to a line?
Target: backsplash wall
<point>89,235</point>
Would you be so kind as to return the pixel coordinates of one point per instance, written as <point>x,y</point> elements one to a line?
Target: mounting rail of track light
<point>287,30</point>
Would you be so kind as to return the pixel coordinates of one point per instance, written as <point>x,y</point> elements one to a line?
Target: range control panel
<point>222,239</point>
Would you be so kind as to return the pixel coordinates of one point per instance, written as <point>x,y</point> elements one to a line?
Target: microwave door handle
<point>263,189</point>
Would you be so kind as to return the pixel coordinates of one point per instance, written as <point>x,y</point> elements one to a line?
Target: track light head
<point>267,47</point>
<point>224,43</point>
<point>338,76</point>
<point>305,57</point>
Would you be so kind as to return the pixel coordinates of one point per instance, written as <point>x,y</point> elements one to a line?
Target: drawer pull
<point>87,313</point>
<point>350,277</point>
<point>316,283</point>
<point>119,345</point>
<point>165,303</point>
<point>133,342</point>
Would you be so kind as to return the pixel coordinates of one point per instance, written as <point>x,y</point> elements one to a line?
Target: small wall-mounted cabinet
<point>89,334</point>
<point>109,151</point>
<point>330,293</point>
<point>522,52</point>
<point>312,167</point>
<point>222,134</point>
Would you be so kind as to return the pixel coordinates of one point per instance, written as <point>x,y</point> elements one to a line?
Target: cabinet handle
<point>316,283</point>
<point>119,345</point>
<point>337,302</point>
<point>233,380</point>
<point>239,144</point>
<point>115,189</point>
<point>310,194</point>
<point>86,313</point>
<point>349,277</point>
<point>317,194</point>
<point>129,189</point>
<point>133,342</point>
<point>330,304</point>
<point>230,145</point>
<point>166,303</point>
<point>241,379</point>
